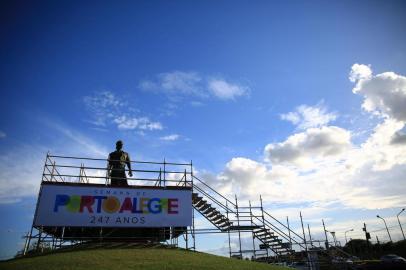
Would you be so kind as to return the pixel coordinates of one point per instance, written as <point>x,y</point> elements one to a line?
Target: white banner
<point>86,206</point>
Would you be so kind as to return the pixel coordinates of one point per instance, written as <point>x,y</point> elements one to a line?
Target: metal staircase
<point>271,234</point>
<point>229,217</point>
<point>211,213</point>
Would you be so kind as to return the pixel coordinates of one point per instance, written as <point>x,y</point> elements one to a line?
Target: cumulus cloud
<point>305,117</point>
<point>398,138</point>
<point>172,137</point>
<point>301,148</point>
<point>180,84</point>
<point>225,90</point>
<point>365,176</point>
<point>352,181</point>
<point>359,71</point>
<point>384,94</point>
<point>107,108</point>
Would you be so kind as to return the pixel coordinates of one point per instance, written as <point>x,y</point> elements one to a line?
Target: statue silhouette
<point>116,166</point>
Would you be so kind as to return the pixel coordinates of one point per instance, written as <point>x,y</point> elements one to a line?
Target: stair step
<point>204,207</point>
<point>200,203</point>
<point>212,214</point>
<point>275,247</point>
<point>225,225</point>
<point>219,216</point>
<point>197,199</point>
<point>272,243</point>
<point>208,211</point>
<point>243,227</point>
<point>267,238</point>
<point>264,233</point>
<point>221,221</point>
<point>261,230</point>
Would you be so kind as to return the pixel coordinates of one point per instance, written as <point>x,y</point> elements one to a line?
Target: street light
<point>345,235</point>
<point>390,238</point>
<point>401,224</point>
<point>334,237</point>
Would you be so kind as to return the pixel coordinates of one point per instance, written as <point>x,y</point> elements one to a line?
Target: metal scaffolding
<point>270,240</point>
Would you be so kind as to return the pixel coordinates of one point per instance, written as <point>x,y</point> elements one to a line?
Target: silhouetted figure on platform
<point>116,166</point>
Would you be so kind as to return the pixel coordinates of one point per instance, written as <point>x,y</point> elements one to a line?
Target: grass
<point>143,259</point>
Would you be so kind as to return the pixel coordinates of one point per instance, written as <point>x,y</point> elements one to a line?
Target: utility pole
<point>367,235</point>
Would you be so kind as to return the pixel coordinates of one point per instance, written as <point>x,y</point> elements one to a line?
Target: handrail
<point>102,177</point>
<point>273,249</point>
<point>147,172</point>
<point>134,161</point>
<point>105,169</point>
<point>283,225</point>
<point>282,234</point>
<point>311,244</point>
<point>233,204</point>
<point>215,200</point>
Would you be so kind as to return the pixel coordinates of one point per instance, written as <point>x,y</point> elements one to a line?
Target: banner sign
<point>86,206</point>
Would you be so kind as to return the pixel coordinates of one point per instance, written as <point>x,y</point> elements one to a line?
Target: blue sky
<point>292,98</point>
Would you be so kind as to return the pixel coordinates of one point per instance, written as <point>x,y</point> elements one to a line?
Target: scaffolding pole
<point>238,223</point>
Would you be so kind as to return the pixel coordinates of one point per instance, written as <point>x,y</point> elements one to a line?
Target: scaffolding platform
<point>270,238</point>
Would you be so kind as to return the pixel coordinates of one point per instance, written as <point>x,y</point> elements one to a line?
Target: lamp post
<point>390,238</point>
<point>400,225</point>
<point>334,237</point>
<point>345,235</point>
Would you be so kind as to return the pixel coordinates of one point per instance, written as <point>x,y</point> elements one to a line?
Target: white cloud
<point>359,72</point>
<point>172,137</point>
<point>184,82</point>
<point>106,108</point>
<point>225,90</point>
<point>368,176</point>
<point>2,135</point>
<point>176,82</point>
<point>180,84</point>
<point>302,148</point>
<point>320,166</point>
<point>129,123</point>
<point>384,94</point>
<point>305,117</point>
<point>102,105</point>
<point>351,181</point>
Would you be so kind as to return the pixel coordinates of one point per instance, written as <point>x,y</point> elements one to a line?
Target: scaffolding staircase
<point>229,217</point>
<point>273,236</point>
